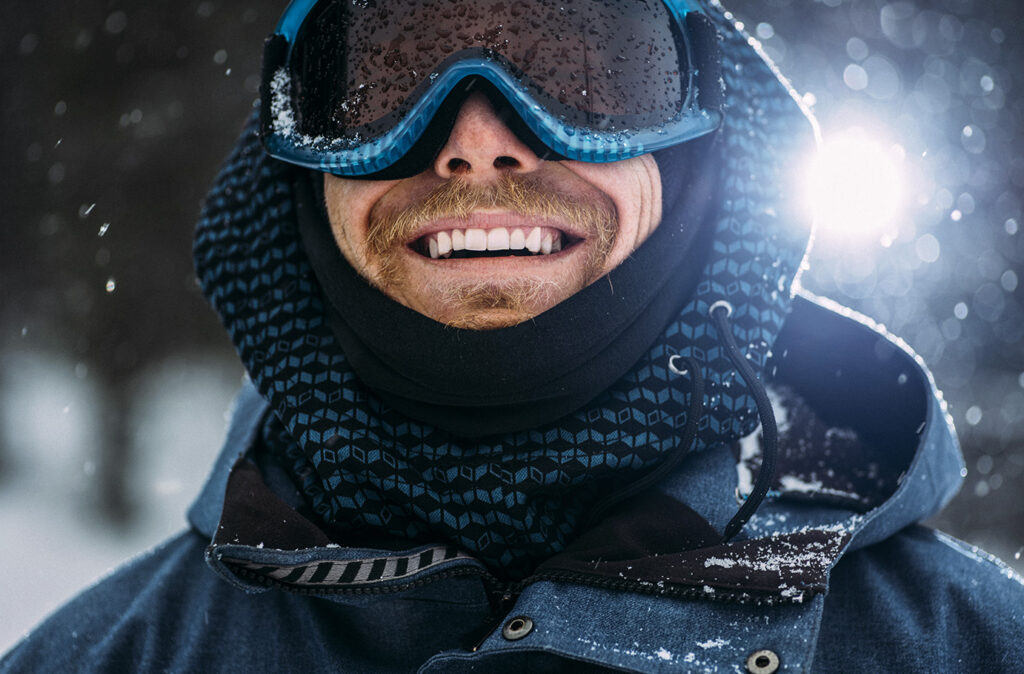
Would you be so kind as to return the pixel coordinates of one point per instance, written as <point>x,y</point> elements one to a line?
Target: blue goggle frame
<point>345,157</point>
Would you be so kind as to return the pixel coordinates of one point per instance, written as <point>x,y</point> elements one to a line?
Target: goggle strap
<point>705,51</point>
<point>275,53</point>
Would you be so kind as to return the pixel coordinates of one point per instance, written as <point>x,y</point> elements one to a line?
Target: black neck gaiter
<point>480,383</point>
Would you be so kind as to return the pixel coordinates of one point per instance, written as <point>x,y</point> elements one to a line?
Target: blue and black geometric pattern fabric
<point>516,499</point>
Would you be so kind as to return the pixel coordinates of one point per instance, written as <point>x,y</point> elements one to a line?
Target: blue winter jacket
<point>252,586</point>
<point>832,573</point>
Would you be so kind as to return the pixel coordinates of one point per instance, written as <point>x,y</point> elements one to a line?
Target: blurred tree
<point>116,116</point>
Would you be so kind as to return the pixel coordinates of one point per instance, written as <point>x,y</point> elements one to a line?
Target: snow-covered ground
<point>52,542</point>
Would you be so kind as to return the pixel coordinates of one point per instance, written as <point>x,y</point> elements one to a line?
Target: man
<point>508,279</point>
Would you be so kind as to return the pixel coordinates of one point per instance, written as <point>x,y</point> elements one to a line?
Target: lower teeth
<point>465,254</point>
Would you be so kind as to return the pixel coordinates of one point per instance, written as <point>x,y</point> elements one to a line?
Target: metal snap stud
<point>763,662</point>
<point>517,628</point>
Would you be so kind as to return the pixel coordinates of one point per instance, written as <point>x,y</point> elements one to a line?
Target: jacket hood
<point>520,496</point>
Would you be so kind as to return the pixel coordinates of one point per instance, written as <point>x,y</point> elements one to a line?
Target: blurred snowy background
<point>115,376</point>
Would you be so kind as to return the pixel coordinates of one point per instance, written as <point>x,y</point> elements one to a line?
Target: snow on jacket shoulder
<point>834,574</point>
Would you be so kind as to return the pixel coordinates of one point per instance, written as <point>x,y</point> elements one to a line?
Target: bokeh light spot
<point>973,139</point>
<point>883,80</point>
<point>857,49</point>
<point>855,77</point>
<point>1008,280</point>
<point>973,415</point>
<point>927,248</point>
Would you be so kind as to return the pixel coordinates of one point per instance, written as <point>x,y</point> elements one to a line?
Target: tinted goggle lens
<point>357,68</point>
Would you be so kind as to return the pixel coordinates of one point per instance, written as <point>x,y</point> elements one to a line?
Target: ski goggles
<point>371,88</point>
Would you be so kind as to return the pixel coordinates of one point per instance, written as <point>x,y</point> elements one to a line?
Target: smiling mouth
<point>465,243</point>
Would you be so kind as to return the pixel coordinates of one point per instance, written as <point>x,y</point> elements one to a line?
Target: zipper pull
<point>502,607</point>
<point>508,598</point>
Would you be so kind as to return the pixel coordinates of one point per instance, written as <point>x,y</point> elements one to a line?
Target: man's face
<point>490,235</point>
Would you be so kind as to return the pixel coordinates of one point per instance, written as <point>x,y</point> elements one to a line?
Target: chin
<point>488,311</point>
<point>490,304</point>
<point>488,319</point>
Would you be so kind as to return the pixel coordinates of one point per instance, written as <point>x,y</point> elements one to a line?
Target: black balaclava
<point>373,465</point>
<point>480,383</point>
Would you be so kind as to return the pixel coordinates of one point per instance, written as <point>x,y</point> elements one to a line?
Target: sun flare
<point>855,187</point>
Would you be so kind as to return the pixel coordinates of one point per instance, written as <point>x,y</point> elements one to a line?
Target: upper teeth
<point>543,240</point>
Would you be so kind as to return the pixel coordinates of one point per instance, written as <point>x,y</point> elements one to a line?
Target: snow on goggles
<point>359,87</point>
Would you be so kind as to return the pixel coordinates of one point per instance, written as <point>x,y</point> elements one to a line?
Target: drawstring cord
<point>720,312</point>
<point>693,417</point>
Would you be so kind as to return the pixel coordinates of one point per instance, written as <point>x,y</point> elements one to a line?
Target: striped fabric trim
<point>353,572</point>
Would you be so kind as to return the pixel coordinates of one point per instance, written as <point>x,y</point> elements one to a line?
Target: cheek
<point>349,203</point>
<point>634,186</point>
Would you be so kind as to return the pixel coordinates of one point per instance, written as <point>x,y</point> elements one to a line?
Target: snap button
<point>517,628</point>
<point>763,662</point>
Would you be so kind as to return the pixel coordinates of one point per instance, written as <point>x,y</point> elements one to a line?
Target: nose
<point>481,147</point>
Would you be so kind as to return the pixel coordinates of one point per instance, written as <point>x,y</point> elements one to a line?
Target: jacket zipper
<point>502,606</point>
<point>504,594</point>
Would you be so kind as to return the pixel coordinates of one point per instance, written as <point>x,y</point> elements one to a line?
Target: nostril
<point>457,165</point>
<point>461,167</point>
